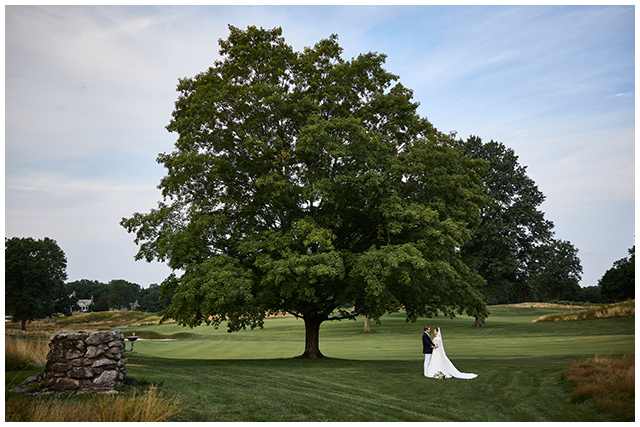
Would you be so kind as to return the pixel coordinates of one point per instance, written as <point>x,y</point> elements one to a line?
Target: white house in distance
<point>83,303</point>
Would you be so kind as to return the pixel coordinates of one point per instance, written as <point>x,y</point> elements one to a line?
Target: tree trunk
<point>24,323</point>
<point>311,339</point>
<point>479,323</point>
<point>367,324</point>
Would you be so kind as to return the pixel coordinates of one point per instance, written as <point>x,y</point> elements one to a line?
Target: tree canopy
<point>305,183</point>
<point>35,271</point>
<point>556,271</point>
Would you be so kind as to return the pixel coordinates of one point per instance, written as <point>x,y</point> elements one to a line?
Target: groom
<point>427,348</point>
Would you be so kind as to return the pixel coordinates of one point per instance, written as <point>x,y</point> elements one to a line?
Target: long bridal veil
<point>441,363</point>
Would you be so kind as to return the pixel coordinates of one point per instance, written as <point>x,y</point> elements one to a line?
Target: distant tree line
<point>35,288</point>
<point>118,295</point>
<point>35,274</point>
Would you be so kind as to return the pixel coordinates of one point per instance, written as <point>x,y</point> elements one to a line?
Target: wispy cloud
<point>623,95</point>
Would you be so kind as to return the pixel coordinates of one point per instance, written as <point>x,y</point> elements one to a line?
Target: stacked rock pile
<point>82,361</point>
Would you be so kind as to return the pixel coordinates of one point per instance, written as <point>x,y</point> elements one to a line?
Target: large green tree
<point>35,271</point>
<point>513,228</point>
<point>303,183</point>
<point>514,247</point>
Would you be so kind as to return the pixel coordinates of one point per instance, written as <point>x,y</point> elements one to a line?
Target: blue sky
<point>89,91</point>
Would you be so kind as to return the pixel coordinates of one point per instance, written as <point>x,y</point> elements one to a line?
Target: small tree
<point>35,271</point>
<point>300,183</point>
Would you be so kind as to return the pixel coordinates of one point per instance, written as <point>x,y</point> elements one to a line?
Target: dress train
<point>441,363</point>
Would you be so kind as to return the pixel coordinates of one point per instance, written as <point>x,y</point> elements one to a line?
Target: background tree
<point>86,289</point>
<point>619,282</point>
<point>35,271</point>
<point>514,239</point>
<point>100,304</point>
<point>151,299</point>
<point>64,302</point>
<point>122,294</point>
<point>556,271</point>
<point>301,183</point>
<point>591,294</point>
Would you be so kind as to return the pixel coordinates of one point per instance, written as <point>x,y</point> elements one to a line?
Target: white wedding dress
<point>441,363</point>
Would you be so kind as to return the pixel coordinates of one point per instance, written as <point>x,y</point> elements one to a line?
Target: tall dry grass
<point>621,309</point>
<point>149,406</point>
<point>606,384</point>
<point>25,352</point>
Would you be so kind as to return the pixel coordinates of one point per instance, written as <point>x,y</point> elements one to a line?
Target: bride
<point>441,363</point>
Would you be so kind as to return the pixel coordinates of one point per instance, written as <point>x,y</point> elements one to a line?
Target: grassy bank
<point>621,309</point>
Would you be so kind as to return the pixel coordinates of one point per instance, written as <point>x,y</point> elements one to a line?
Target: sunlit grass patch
<point>606,384</point>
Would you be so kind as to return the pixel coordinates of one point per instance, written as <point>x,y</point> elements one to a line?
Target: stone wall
<point>83,361</point>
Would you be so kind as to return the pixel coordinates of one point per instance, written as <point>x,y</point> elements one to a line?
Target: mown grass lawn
<point>511,334</point>
<point>254,375</point>
<point>351,390</point>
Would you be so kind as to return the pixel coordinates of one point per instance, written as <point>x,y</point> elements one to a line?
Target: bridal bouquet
<point>439,376</point>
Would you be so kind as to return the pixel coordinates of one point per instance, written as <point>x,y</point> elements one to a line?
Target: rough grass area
<point>25,352</point>
<point>85,321</point>
<point>543,305</point>
<point>606,384</point>
<point>149,406</point>
<point>621,309</point>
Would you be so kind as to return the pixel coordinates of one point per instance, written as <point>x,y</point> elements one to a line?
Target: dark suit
<point>427,344</point>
